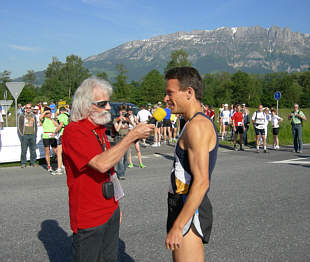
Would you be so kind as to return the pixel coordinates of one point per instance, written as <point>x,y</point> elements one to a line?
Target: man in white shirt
<point>143,116</point>
<point>259,122</point>
<point>226,119</point>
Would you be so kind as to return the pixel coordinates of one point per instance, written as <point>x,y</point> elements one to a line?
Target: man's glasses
<point>101,104</point>
<point>28,107</point>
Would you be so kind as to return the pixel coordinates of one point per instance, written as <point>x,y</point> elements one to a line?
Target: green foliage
<point>178,59</point>
<point>153,87</point>
<point>103,75</point>
<point>121,89</point>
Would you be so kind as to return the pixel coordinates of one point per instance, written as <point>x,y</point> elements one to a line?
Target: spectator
<point>89,161</point>
<point>211,113</point>
<point>173,120</point>
<point>53,108</point>
<point>219,118</point>
<point>275,120</point>
<point>121,125</point>
<point>63,121</point>
<point>49,140</point>
<point>296,117</point>
<point>36,111</point>
<point>238,126</point>
<point>149,108</point>
<point>246,122</point>
<point>1,118</point>
<point>226,119</point>
<point>157,133</point>
<point>143,116</point>
<point>44,105</point>
<point>167,125</point>
<point>20,109</point>
<point>259,123</point>
<point>268,118</point>
<point>27,129</point>
<point>133,121</point>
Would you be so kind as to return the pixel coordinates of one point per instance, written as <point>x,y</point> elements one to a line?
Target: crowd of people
<point>94,163</point>
<point>53,121</point>
<point>234,121</point>
<point>238,119</point>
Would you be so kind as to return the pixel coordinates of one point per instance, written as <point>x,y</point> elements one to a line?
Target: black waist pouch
<point>175,205</point>
<point>108,190</point>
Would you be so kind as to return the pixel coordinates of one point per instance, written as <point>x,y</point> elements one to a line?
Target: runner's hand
<point>174,239</point>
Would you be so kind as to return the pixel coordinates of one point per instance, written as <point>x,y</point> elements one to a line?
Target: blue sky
<point>34,31</point>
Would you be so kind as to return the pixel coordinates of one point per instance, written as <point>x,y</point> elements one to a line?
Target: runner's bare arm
<point>199,138</point>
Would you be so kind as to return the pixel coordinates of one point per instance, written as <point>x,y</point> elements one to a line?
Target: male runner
<point>189,219</point>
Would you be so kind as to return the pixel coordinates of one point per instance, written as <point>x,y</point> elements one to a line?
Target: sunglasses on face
<point>28,107</point>
<point>101,104</point>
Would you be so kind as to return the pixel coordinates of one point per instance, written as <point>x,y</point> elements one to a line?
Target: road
<point>261,209</point>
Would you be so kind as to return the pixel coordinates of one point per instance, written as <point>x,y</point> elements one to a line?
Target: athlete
<point>259,122</point>
<point>275,120</point>
<point>238,126</point>
<point>225,116</point>
<point>189,219</point>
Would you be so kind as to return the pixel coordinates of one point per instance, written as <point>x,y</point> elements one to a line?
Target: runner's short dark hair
<point>188,77</point>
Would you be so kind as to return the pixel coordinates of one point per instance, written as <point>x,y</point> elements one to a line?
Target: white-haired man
<point>89,161</point>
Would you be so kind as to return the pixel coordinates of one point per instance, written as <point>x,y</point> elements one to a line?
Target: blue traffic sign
<point>277,95</point>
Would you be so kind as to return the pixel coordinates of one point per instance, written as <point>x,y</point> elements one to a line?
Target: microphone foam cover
<point>159,114</point>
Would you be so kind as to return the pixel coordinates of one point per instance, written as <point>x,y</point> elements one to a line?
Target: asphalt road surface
<point>261,209</point>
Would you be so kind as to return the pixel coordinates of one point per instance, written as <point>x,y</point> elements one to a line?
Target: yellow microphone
<point>158,115</point>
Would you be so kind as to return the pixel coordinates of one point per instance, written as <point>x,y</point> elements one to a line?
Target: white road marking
<point>295,161</point>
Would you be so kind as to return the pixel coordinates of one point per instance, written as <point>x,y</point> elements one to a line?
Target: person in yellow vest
<point>49,140</point>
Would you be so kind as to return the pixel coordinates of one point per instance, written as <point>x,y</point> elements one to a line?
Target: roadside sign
<point>15,88</point>
<point>277,95</point>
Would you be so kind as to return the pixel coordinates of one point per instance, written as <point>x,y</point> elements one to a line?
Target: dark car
<point>114,114</point>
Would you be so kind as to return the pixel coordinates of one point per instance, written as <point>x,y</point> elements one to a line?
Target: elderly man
<point>89,160</point>
<point>27,129</point>
<point>296,117</point>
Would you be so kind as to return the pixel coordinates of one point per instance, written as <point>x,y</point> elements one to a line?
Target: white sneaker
<point>158,144</point>
<point>58,172</point>
<point>155,145</point>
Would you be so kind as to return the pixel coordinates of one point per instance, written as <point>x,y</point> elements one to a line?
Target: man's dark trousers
<point>28,141</point>
<point>97,244</point>
<point>297,133</point>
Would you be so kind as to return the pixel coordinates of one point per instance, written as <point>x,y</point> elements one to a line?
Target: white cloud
<point>23,48</point>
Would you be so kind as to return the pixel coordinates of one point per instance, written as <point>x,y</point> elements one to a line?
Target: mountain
<point>250,49</point>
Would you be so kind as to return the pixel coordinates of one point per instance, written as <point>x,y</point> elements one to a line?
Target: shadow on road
<point>56,241</point>
<point>122,255</point>
<point>58,244</point>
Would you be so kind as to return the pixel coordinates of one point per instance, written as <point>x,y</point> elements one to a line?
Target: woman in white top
<point>268,119</point>
<point>275,120</point>
<point>133,121</point>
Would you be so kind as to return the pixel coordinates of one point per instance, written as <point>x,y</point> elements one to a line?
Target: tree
<point>74,73</point>
<point>121,89</point>
<point>178,59</point>
<point>29,78</point>
<point>62,79</point>
<point>103,75</point>
<point>5,77</point>
<point>153,87</point>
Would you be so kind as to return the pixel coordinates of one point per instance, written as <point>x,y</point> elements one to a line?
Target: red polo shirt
<point>238,118</point>
<point>87,206</point>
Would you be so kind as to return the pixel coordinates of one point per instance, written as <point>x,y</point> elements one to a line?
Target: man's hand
<point>142,131</point>
<point>174,238</point>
